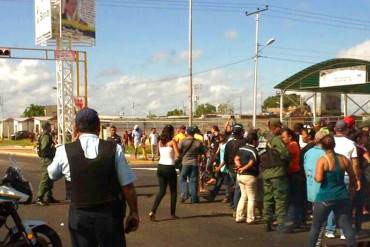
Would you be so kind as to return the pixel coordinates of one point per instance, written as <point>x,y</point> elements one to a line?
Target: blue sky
<point>141,41</point>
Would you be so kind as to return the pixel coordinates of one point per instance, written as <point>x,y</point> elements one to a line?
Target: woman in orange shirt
<point>296,180</point>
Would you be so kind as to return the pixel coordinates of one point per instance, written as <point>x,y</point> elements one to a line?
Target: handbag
<point>178,161</point>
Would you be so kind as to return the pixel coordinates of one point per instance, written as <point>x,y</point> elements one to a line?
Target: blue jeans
<point>222,178</point>
<point>330,224</point>
<point>234,190</point>
<point>342,211</point>
<point>191,172</point>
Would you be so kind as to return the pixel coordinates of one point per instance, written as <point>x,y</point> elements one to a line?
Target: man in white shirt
<point>98,204</point>
<point>346,147</point>
<point>153,140</point>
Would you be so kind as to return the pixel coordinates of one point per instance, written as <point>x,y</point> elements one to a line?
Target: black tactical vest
<point>94,182</point>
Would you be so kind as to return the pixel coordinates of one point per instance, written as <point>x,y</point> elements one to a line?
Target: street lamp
<point>259,49</point>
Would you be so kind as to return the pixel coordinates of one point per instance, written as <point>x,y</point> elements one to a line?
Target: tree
<point>204,109</point>
<point>225,108</point>
<point>176,112</point>
<point>274,101</point>
<point>34,111</point>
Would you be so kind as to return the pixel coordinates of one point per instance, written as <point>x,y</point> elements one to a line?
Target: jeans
<point>330,224</point>
<point>248,188</point>
<point>342,211</point>
<point>191,172</point>
<point>166,176</point>
<point>222,178</point>
<point>296,199</point>
<point>234,190</point>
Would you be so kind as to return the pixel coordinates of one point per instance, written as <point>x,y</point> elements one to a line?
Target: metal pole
<point>255,73</point>
<point>85,75</point>
<point>190,62</point>
<point>281,105</point>
<point>314,107</point>
<point>345,105</point>
<point>78,74</point>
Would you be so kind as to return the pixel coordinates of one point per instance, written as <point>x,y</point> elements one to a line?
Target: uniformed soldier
<point>101,184</point>
<point>274,163</point>
<point>46,152</point>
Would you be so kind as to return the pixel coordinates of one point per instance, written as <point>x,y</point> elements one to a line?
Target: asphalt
<point>204,224</point>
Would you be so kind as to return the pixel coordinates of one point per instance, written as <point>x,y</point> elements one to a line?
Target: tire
<point>46,237</point>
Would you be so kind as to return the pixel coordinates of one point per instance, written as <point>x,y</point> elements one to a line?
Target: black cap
<point>87,120</point>
<point>237,129</point>
<point>191,130</point>
<point>340,126</point>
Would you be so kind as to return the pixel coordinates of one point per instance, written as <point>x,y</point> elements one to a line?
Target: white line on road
<point>145,169</point>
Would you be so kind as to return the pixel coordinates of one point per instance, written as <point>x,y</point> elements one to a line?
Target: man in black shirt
<point>113,136</point>
<point>231,149</point>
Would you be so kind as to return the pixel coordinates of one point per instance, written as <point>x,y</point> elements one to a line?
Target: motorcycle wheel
<point>46,237</point>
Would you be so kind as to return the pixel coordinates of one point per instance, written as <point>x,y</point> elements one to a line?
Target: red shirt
<point>294,151</point>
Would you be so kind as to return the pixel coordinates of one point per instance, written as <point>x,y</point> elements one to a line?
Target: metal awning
<point>308,80</point>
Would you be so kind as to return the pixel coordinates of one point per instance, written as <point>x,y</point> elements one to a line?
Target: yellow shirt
<point>179,137</point>
<point>199,137</point>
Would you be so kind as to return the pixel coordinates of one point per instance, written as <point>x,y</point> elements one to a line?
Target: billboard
<point>343,76</point>
<point>78,20</point>
<point>331,104</point>
<point>42,21</point>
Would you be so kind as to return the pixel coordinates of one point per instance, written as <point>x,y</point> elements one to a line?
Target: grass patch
<point>23,142</point>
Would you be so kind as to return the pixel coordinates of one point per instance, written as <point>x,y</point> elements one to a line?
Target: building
<point>50,110</point>
<point>38,121</point>
<point>6,128</point>
<point>24,123</point>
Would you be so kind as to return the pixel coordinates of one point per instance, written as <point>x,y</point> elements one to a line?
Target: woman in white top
<point>166,171</point>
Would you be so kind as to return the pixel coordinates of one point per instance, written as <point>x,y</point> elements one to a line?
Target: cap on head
<point>237,129</point>
<point>191,130</point>
<point>274,123</point>
<point>320,134</point>
<point>45,125</point>
<point>87,120</point>
<point>340,126</point>
<point>350,121</point>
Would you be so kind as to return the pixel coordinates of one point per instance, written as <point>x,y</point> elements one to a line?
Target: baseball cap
<point>350,121</point>
<point>191,130</point>
<point>320,134</point>
<point>44,125</point>
<point>340,125</point>
<point>274,122</point>
<point>87,119</point>
<point>237,129</point>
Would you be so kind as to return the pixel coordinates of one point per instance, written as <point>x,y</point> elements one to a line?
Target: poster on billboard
<point>43,29</point>
<point>343,76</point>
<point>331,104</point>
<point>78,21</point>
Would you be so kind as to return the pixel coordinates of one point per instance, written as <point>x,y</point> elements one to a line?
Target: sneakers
<point>342,237</point>
<point>329,235</point>
<point>268,228</point>
<point>41,202</point>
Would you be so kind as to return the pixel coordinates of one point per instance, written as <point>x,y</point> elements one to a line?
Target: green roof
<point>308,80</point>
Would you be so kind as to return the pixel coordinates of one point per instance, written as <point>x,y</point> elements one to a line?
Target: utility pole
<point>190,62</point>
<point>257,13</point>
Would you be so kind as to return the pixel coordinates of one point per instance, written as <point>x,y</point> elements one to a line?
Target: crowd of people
<point>281,177</point>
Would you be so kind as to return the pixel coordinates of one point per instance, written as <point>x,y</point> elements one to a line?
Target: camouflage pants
<point>275,199</point>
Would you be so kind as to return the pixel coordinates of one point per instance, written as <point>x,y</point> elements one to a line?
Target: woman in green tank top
<point>333,195</point>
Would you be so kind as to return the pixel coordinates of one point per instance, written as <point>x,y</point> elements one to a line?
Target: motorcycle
<point>15,190</point>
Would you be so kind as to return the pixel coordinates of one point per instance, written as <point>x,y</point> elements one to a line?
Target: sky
<point>142,43</point>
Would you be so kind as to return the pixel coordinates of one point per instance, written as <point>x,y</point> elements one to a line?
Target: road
<point>204,224</point>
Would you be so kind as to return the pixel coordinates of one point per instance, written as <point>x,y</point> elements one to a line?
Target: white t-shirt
<point>153,138</point>
<point>345,146</point>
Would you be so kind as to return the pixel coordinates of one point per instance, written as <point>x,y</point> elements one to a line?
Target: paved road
<point>204,224</point>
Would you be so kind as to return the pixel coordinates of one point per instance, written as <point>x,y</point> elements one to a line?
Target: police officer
<point>46,152</point>
<point>101,185</point>
<point>275,182</point>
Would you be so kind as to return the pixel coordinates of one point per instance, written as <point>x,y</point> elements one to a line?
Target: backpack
<point>269,158</point>
<point>48,152</point>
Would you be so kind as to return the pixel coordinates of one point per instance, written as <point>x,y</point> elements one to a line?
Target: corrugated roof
<point>308,80</point>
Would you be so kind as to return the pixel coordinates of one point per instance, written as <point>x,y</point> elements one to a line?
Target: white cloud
<point>24,83</point>
<point>184,55</point>
<point>360,51</point>
<point>231,35</point>
<point>174,56</point>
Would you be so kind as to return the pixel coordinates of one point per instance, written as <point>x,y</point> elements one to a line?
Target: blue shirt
<point>90,145</point>
<point>310,159</point>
